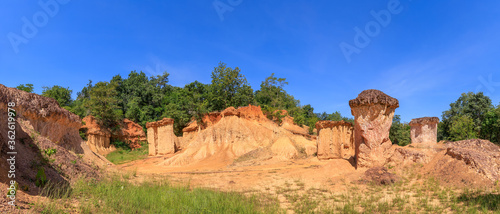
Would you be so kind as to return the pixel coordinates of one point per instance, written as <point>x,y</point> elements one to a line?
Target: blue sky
<point>425,55</point>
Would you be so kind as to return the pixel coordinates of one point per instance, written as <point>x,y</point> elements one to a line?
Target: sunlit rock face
<point>43,115</point>
<point>373,111</point>
<point>161,137</point>
<point>335,139</point>
<point>424,130</point>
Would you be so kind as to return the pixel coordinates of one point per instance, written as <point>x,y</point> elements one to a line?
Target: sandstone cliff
<point>43,115</point>
<point>47,140</point>
<point>238,132</point>
<point>335,139</point>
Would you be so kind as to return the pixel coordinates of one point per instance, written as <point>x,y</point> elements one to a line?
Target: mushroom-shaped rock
<point>373,111</point>
<point>424,130</point>
<point>335,139</point>
<point>161,138</point>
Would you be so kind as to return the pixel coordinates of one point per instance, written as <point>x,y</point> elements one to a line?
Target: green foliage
<point>83,134</point>
<point>474,106</point>
<point>141,98</point>
<point>121,144</point>
<point>462,128</point>
<point>186,103</point>
<point>124,155</point>
<point>16,187</point>
<point>335,116</point>
<point>273,94</point>
<point>41,178</point>
<point>490,128</point>
<point>28,87</point>
<point>229,88</point>
<point>60,94</point>
<point>103,104</point>
<point>50,151</point>
<point>400,132</point>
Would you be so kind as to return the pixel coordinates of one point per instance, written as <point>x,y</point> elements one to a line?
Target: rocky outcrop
<point>482,156</point>
<point>373,111</point>
<point>335,139</point>
<point>161,137</point>
<point>44,115</point>
<point>98,138</point>
<point>239,132</point>
<point>131,133</point>
<point>41,125</point>
<point>424,130</point>
<point>408,155</point>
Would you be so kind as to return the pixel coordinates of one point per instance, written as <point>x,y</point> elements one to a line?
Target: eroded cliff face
<point>44,115</point>
<point>239,132</point>
<point>335,140</point>
<point>161,137</point>
<point>373,111</point>
<point>98,138</point>
<point>424,130</point>
<point>41,126</point>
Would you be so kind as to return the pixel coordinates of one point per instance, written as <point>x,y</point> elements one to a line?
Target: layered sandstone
<point>131,133</point>
<point>373,111</point>
<point>239,132</point>
<point>335,139</point>
<point>424,130</point>
<point>44,115</point>
<point>98,138</point>
<point>161,137</point>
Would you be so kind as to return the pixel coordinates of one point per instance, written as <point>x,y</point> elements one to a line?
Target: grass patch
<point>118,195</point>
<point>122,155</point>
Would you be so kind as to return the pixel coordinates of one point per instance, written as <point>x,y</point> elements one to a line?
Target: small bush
<point>41,178</point>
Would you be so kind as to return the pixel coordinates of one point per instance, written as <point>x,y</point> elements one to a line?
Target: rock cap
<point>323,124</point>
<point>163,122</point>
<point>372,97</point>
<point>424,120</point>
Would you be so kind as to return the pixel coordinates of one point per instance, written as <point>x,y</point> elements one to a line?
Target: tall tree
<point>490,128</point>
<point>462,128</point>
<point>60,94</point>
<point>272,94</point>
<point>229,88</point>
<point>472,105</point>
<point>28,87</point>
<point>103,104</point>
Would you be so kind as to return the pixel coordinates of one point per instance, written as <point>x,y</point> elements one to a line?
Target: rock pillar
<point>424,130</point>
<point>335,139</point>
<point>373,111</point>
<point>161,137</point>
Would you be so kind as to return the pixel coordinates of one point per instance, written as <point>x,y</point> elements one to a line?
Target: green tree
<point>400,132</point>
<point>229,88</point>
<point>462,128</point>
<point>60,94</point>
<point>473,105</point>
<point>184,104</point>
<point>141,98</point>
<point>490,128</point>
<point>273,95</point>
<point>28,87</point>
<point>78,106</point>
<point>103,104</point>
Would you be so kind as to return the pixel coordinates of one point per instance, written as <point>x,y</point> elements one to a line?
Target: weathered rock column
<point>373,111</point>
<point>161,138</point>
<point>424,130</point>
<point>335,139</point>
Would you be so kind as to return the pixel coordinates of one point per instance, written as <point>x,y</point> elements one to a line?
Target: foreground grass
<point>122,155</point>
<point>411,194</point>
<point>118,195</point>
